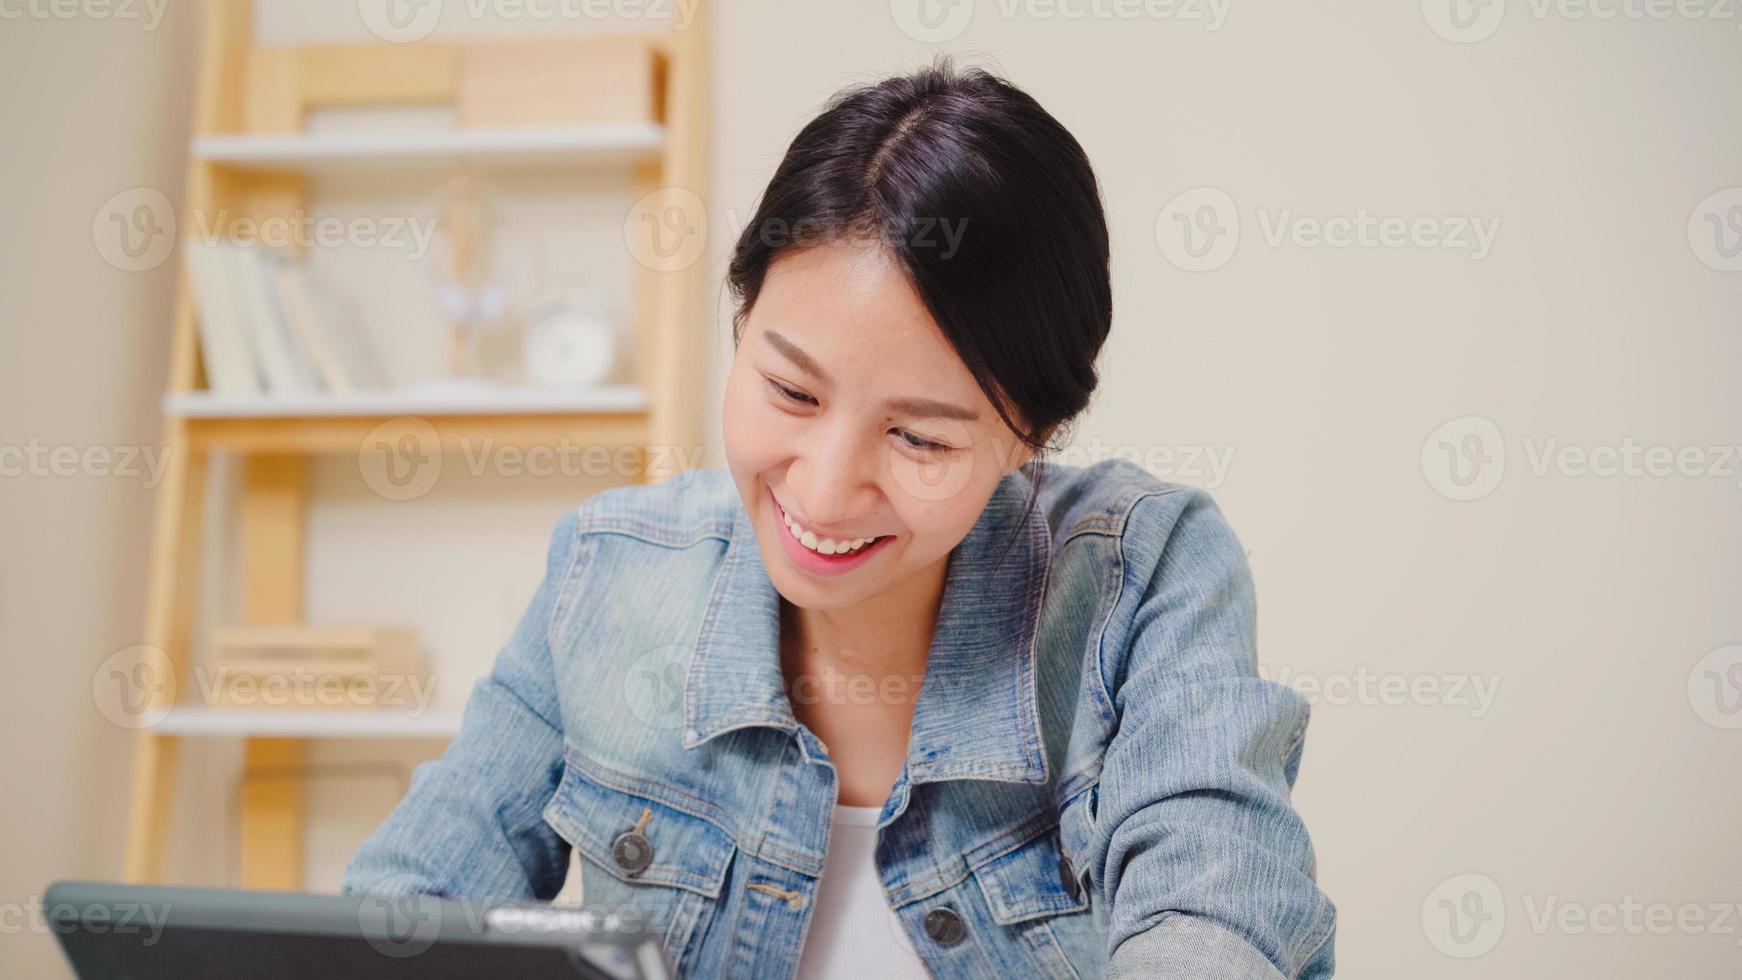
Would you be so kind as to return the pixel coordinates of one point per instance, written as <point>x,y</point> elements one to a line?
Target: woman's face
<point>847,411</point>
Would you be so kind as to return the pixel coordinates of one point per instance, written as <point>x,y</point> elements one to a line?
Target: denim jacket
<point>1096,783</point>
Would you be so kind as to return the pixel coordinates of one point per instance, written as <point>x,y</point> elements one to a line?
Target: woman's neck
<point>887,634</point>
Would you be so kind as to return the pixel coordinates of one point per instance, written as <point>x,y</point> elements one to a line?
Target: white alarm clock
<point>567,343</point>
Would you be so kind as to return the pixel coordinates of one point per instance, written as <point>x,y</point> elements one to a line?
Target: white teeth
<point>825,546</point>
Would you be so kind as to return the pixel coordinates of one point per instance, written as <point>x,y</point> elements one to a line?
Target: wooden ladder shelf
<point>251,159</point>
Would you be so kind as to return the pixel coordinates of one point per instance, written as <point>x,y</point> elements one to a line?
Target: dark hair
<point>992,211</point>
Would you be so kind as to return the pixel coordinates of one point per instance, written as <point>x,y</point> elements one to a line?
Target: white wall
<point>89,109</point>
<point>1588,778</point>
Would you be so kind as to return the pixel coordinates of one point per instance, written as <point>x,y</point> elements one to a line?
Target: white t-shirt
<point>853,931</point>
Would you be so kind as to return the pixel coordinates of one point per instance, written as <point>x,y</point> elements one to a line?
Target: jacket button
<point>1068,877</point>
<point>633,852</point>
<point>944,926</point>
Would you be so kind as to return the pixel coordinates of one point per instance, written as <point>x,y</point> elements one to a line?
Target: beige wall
<point>1514,685</point>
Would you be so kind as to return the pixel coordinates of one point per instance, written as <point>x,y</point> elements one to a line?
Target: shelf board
<point>361,404</point>
<point>200,720</point>
<point>494,149</point>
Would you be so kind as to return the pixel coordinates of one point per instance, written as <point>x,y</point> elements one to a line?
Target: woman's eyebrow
<point>920,407</point>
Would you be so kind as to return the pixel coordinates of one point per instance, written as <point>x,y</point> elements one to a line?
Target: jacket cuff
<point>1188,947</point>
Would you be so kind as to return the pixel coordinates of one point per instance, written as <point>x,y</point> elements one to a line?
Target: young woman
<point>891,694</point>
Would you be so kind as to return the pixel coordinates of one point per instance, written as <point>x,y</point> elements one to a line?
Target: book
<point>278,359</point>
<point>230,368</point>
<point>311,330</point>
<point>267,326</point>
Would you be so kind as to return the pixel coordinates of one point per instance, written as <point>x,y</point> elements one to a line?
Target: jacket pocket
<point>669,878</point>
<point>1027,891</point>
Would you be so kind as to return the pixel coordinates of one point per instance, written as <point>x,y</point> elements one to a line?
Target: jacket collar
<point>977,716</point>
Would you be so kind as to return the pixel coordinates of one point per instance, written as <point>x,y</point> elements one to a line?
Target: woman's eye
<point>923,445</point>
<point>787,393</point>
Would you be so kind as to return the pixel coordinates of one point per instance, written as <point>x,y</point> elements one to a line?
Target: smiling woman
<point>1089,777</point>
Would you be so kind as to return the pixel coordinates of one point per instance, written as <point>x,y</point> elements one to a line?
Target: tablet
<point>148,932</point>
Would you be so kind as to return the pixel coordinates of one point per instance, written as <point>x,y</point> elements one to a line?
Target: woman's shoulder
<point>1120,499</point>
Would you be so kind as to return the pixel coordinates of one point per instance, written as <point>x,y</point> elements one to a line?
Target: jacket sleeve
<point>471,824</point>
<point>1209,871</point>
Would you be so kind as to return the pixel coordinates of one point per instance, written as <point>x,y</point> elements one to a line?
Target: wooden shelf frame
<point>200,721</point>
<point>249,163</point>
<point>508,150</point>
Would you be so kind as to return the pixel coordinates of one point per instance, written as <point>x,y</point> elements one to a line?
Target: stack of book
<point>265,327</point>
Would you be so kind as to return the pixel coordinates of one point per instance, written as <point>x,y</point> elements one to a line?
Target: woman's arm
<point>1209,869</point>
<point>471,824</point>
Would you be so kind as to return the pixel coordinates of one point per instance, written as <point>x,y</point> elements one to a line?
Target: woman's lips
<point>816,562</point>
